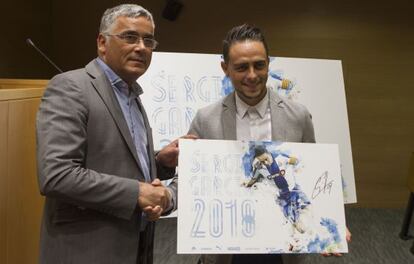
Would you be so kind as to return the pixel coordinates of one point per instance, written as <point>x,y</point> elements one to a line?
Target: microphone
<point>30,43</point>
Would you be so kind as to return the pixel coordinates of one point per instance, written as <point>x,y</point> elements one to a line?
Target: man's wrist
<point>170,205</point>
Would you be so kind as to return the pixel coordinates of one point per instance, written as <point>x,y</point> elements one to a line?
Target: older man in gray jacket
<point>96,163</point>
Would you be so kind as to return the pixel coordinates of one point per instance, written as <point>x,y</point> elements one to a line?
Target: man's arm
<point>62,151</point>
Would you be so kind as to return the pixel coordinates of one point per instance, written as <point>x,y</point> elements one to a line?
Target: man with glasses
<point>96,163</point>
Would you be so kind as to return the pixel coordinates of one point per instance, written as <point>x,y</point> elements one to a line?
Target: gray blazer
<point>291,122</point>
<point>88,169</point>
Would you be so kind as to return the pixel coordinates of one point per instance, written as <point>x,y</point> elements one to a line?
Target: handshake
<point>154,199</point>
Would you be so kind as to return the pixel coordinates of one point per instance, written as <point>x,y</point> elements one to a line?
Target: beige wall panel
<point>3,180</point>
<point>18,94</point>
<point>24,206</point>
<point>21,83</point>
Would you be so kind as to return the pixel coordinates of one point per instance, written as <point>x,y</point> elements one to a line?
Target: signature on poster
<point>322,185</point>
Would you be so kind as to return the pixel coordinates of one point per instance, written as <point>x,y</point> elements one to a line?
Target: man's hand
<point>168,156</point>
<point>153,195</point>
<point>153,213</point>
<point>348,235</point>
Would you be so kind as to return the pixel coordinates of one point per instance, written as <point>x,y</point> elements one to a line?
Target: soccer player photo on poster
<point>259,197</point>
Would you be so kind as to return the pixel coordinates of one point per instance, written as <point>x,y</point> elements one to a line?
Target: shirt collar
<point>261,107</point>
<point>117,82</point>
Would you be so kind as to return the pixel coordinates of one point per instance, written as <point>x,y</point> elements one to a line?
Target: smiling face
<point>128,61</point>
<point>248,67</point>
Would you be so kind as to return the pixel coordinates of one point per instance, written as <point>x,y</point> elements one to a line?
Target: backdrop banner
<point>177,84</point>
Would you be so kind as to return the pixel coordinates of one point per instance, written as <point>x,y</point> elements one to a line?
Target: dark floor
<point>374,240</point>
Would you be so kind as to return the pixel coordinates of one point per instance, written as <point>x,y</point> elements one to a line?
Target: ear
<point>101,43</point>
<point>224,67</point>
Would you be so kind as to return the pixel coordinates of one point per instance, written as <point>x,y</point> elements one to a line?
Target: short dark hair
<point>241,33</point>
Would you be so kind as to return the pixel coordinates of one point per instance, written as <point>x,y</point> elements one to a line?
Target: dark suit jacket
<point>88,170</point>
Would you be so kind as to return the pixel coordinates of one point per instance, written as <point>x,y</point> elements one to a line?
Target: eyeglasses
<point>136,39</point>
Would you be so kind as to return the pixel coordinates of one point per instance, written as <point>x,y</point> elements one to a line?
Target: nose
<point>139,44</point>
<point>251,73</point>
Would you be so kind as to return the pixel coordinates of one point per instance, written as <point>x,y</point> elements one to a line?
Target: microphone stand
<point>30,43</point>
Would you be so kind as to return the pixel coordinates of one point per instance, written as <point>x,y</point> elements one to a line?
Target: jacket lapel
<point>229,118</point>
<point>104,89</point>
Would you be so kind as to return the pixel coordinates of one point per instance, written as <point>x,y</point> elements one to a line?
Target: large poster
<point>177,84</point>
<point>259,197</point>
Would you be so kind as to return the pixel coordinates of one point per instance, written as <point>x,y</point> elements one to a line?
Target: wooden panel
<point>16,94</point>
<point>24,206</point>
<point>3,180</point>
<point>22,83</point>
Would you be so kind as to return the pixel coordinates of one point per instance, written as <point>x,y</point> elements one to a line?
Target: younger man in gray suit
<point>251,112</point>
